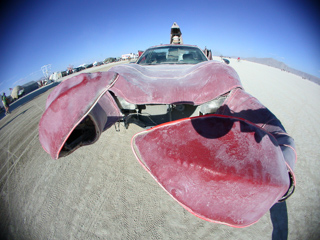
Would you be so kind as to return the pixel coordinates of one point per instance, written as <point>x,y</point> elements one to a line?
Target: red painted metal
<point>163,84</point>
<point>222,169</point>
<point>70,102</point>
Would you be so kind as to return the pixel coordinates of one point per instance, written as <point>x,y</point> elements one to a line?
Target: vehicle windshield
<point>175,54</point>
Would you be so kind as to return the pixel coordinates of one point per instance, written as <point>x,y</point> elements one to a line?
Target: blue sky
<point>63,33</point>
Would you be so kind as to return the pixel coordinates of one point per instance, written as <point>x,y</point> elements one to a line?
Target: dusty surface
<point>101,191</point>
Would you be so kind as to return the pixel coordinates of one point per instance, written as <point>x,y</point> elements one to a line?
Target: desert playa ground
<point>102,192</point>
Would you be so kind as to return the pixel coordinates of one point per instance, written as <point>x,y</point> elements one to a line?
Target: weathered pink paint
<point>195,84</point>
<point>222,169</point>
<point>243,105</point>
<point>70,102</point>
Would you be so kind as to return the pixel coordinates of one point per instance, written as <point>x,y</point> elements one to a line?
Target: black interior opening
<point>84,134</point>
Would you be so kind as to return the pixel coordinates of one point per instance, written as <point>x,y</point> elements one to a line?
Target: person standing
<point>5,103</point>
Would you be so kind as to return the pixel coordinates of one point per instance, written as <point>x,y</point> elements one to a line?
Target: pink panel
<point>220,168</point>
<point>165,84</point>
<point>68,104</point>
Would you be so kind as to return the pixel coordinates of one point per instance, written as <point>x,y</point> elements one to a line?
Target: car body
<point>174,94</point>
<point>78,69</point>
<point>89,65</point>
<point>96,63</point>
<point>110,60</point>
<point>212,146</point>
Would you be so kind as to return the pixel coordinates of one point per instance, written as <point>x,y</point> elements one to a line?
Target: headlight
<point>212,106</point>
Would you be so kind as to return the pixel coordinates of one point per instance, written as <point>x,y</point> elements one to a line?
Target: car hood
<point>169,84</point>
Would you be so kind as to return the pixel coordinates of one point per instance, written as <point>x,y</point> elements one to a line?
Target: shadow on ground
<point>279,219</point>
<point>14,118</point>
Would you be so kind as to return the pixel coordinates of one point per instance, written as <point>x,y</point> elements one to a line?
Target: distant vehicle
<point>110,60</point>
<point>97,63</point>
<point>89,65</point>
<point>30,87</point>
<point>64,73</point>
<point>19,91</point>
<point>78,69</point>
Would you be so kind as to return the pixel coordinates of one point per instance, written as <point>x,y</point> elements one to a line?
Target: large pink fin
<point>220,168</point>
<point>79,108</point>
